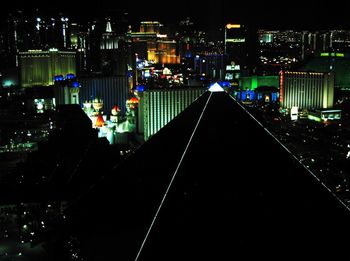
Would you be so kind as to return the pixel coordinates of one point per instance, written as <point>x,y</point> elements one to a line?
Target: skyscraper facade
<point>236,47</point>
<point>38,68</point>
<point>158,107</point>
<point>306,90</point>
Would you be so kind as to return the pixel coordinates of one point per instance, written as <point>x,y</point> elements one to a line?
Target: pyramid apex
<point>216,88</point>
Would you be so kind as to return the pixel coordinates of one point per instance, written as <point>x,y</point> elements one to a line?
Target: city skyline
<point>268,14</point>
<point>173,130</point>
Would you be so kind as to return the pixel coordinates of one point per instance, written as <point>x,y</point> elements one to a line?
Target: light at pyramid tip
<point>216,88</point>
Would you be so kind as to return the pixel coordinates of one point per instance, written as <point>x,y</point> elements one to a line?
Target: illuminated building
<point>37,67</point>
<point>112,90</point>
<point>280,49</point>
<point>324,115</point>
<point>306,90</point>
<point>254,81</point>
<point>336,62</point>
<point>163,51</point>
<point>149,44</point>
<point>67,91</point>
<point>150,27</point>
<point>158,107</point>
<point>65,26</point>
<point>210,65</point>
<point>236,47</point>
<point>113,55</point>
<point>261,95</point>
<point>74,35</point>
<point>109,39</point>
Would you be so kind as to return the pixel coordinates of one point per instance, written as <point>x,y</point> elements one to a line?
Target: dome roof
<point>133,100</point>
<point>116,108</point>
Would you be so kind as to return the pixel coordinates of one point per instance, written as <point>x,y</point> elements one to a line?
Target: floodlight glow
<point>216,88</point>
<point>230,26</point>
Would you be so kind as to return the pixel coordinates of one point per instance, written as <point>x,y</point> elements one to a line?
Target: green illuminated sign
<point>332,54</point>
<point>235,40</point>
<point>314,118</point>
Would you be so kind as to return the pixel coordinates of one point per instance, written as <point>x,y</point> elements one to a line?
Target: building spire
<point>108,27</point>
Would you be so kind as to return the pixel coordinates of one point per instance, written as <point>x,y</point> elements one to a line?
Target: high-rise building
<point>306,90</point>
<point>158,107</point>
<point>211,65</point>
<point>113,53</point>
<point>150,27</point>
<point>236,47</point>
<point>150,45</point>
<point>74,35</point>
<point>38,68</point>
<point>109,39</point>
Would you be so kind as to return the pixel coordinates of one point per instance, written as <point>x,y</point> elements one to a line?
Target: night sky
<point>286,14</point>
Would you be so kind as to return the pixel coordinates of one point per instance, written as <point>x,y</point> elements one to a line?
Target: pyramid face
<point>212,183</point>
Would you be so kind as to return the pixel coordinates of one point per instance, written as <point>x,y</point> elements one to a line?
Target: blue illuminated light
<point>188,54</point>
<point>70,76</point>
<point>58,78</point>
<point>76,84</point>
<point>225,84</point>
<point>250,95</point>
<point>140,88</point>
<point>274,96</point>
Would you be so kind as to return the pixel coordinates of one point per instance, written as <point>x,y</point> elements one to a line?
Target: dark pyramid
<point>237,194</point>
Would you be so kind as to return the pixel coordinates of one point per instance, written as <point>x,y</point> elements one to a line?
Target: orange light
<point>230,26</point>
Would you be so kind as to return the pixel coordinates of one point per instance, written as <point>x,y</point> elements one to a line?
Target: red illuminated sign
<point>281,86</point>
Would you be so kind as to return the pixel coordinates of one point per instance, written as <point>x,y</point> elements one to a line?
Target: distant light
<point>216,88</point>
<point>140,88</point>
<point>70,76</point>
<point>231,26</point>
<point>58,78</point>
<point>53,49</point>
<point>235,40</point>
<point>8,83</point>
<point>76,84</point>
<point>225,84</point>
<point>38,19</point>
